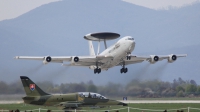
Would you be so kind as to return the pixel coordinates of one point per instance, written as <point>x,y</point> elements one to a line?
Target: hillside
<point>58,29</point>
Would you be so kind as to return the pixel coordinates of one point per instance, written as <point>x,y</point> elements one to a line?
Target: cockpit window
<point>130,38</point>
<point>91,95</point>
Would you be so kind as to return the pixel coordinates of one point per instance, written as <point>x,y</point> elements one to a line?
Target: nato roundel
<point>32,87</point>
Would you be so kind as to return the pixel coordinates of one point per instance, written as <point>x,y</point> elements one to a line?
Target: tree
<point>191,88</point>
<point>180,94</point>
<point>92,88</point>
<point>181,81</point>
<point>76,88</point>
<point>198,90</point>
<point>3,87</point>
<point>180,88</point>
<point>134,90</point>
<point>193,82</point>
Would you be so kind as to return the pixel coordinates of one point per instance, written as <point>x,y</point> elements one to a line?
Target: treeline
<point>135,88</point>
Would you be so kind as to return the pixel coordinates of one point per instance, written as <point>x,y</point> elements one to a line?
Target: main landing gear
<point>124,70</point>
<point>97,70</point>
<point>128,57</point>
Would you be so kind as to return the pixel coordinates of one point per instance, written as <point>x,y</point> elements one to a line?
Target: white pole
<point>39,109</point>
<point>75,110</point>
<point>105,44</point>
<point>128,109</point>
<point>98,47</point>
<point>188,109</point>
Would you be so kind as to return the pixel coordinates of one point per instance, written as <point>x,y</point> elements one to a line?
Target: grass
<point>153,106</point>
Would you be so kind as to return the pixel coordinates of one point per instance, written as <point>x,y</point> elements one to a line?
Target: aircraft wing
<point>70,103</point>
<point>74,60</point>
<point>153,58</point>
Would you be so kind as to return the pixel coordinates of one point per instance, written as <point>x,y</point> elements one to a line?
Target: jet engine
<point>172,58</point>
<point>47,59</point>
<point>74,59</point>
<point>153,59</point>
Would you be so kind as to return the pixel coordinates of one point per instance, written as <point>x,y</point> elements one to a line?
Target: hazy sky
<point>14,8</point>
<point>161,4</point>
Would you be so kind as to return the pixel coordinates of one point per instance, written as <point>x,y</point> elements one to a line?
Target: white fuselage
<point>118,51</point>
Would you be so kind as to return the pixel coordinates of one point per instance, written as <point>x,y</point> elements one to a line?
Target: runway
<point>128,101</point>
<point>10,102</point>
<point>161,101</point>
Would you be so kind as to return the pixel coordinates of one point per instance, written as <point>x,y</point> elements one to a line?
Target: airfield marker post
<point>188,109</point>
<point>39,109</point>
<point>75,110</point>
<point>128,109</point>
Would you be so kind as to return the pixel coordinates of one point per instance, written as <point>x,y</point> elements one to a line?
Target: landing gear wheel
<point>121,70</point>
<point>97,70</point>
<point>128,57</point>
<point>124,70</point>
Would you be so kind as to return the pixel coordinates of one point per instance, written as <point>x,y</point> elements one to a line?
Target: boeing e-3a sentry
<point>37,96</point>
<point>118,54</point>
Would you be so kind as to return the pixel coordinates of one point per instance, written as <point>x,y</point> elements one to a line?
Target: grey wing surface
<point>74,60</point>
<point>153,58</point>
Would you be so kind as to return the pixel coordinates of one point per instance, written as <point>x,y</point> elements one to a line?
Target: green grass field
<point>153,107</point>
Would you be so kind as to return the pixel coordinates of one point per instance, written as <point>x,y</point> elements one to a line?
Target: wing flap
<point>138,59</point>
<point>83,60</point>
<point>54,59</point>
<point>30,57</point>
<point>86,64</point>
<point>161,57</point>
<point>94,58</point>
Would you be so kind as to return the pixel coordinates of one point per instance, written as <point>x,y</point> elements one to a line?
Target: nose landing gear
<point>128,57</point>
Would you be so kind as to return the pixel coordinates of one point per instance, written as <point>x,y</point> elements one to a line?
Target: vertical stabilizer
<point>91,48</point>
<point>31,88</point>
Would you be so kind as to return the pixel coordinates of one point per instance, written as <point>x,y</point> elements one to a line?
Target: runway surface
<point>11,102</point>
<point>128,101</point>
<point>161,101</point>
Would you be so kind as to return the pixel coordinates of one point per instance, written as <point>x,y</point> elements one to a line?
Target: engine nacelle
<point>153,59</point>
<point>74,59</point>
<point>47,59</point>
<point>172,58</point>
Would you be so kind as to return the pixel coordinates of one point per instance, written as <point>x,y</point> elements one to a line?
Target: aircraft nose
<point>132,42</point>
